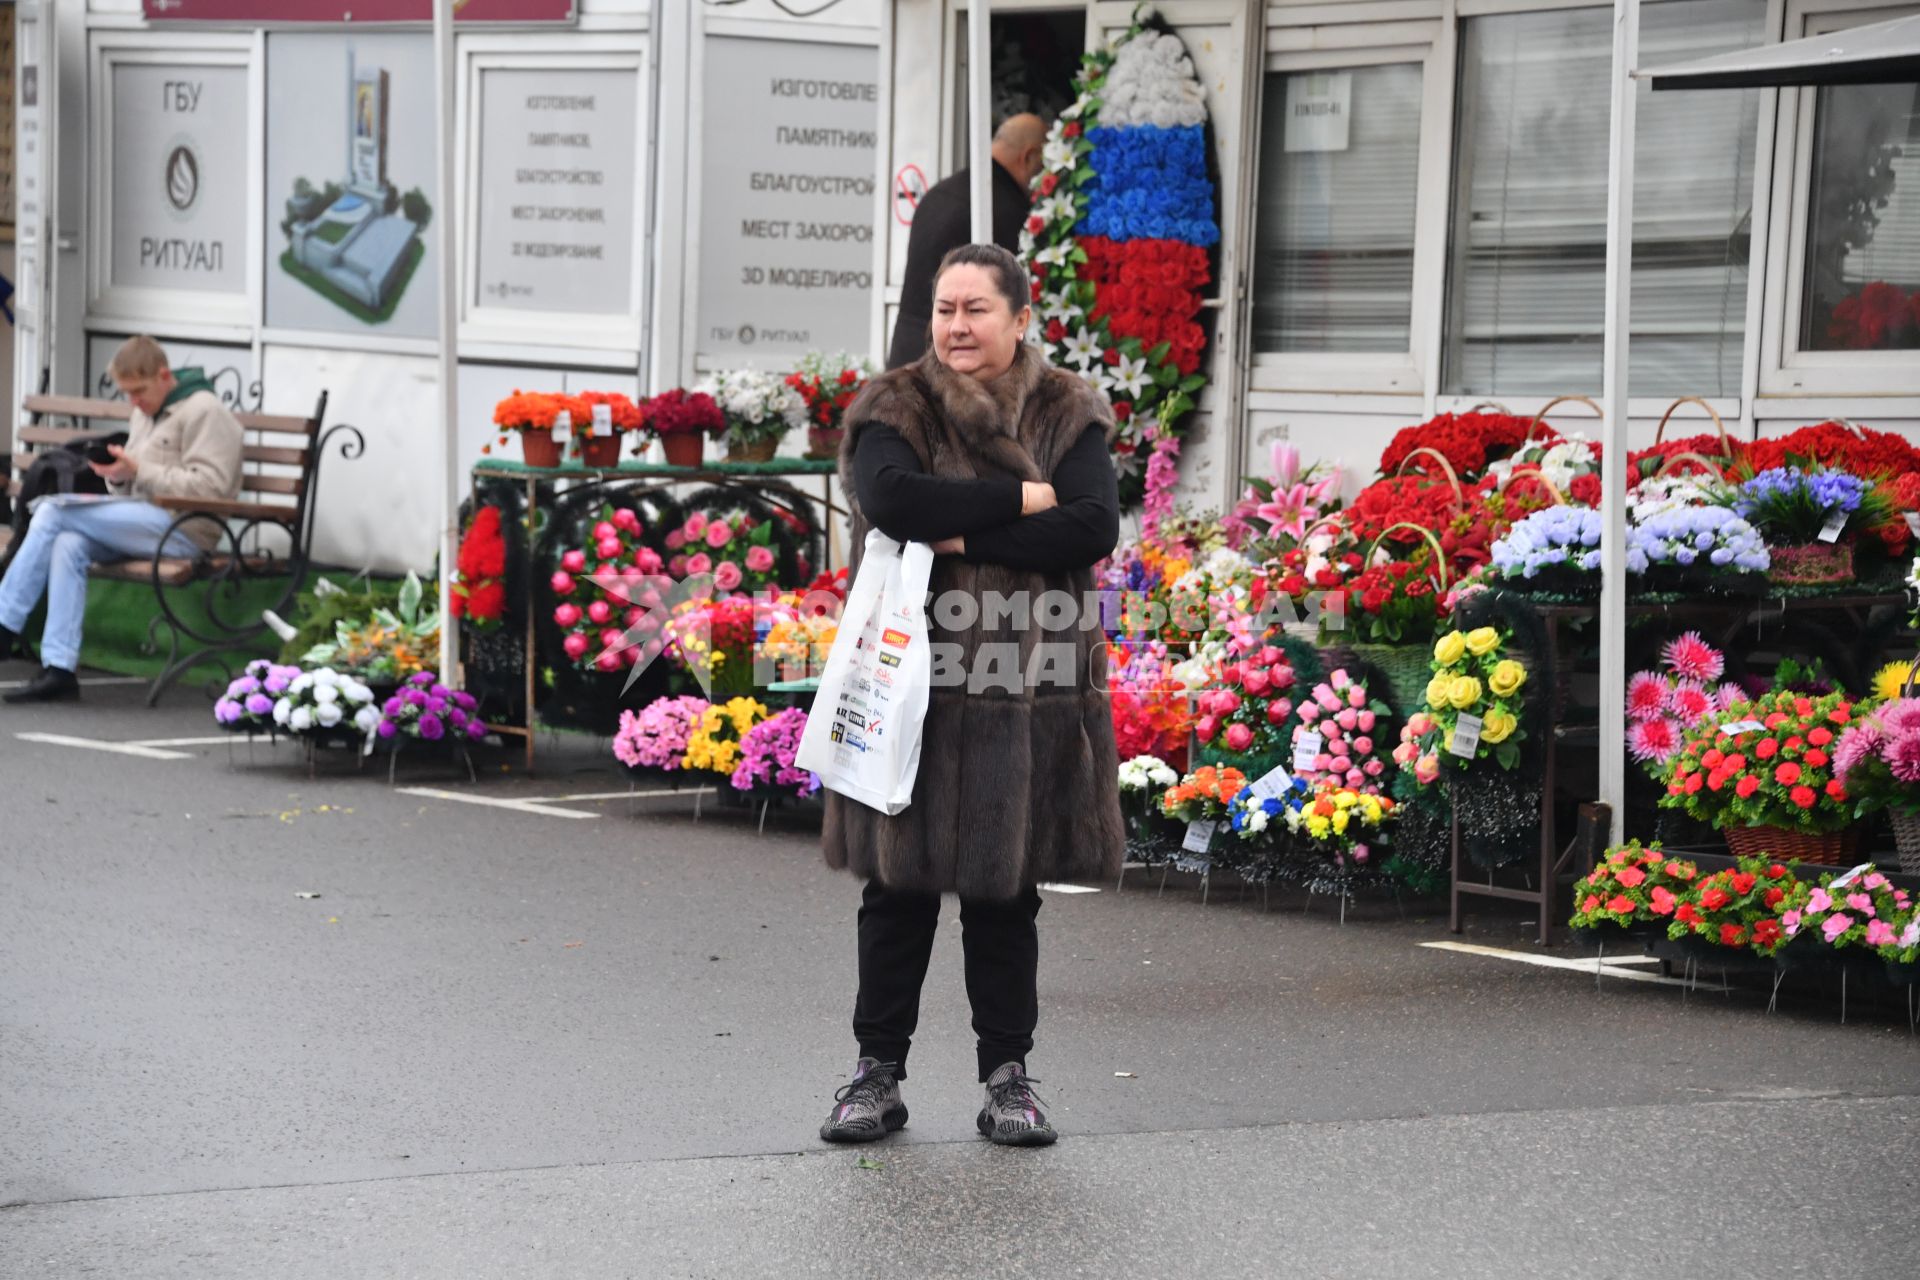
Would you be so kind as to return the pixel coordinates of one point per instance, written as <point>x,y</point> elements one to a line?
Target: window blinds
<point>1526,280</point>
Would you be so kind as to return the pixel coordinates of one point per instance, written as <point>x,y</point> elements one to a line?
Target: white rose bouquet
<point>323,702</point>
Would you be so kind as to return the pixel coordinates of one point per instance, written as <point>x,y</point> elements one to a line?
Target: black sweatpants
<point>1002,946</point>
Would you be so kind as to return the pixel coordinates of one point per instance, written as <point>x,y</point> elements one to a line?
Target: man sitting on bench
<point>181,443</point>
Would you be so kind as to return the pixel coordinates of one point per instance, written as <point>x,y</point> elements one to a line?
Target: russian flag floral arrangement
<point>1120,244</point>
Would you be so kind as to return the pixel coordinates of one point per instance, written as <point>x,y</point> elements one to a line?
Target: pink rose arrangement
<point>1249,708</point>
<point>655,737</point>
<point>766,756</point>
<point>733,546</point>
<point>1663,703</point>
<point>603,613</point>
<point>1417,752</point>
<point>1347,720</point>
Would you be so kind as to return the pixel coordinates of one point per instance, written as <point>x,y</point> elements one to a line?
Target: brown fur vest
<point>1015,786</point>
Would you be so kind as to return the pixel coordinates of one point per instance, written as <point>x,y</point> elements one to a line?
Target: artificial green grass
<point>119,613</point>
<point>332,232</point>
<point>320,285</point>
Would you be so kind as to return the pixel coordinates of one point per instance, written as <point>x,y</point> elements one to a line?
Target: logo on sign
<point>898,639</point>
<point>183,178</point>
<point>890,659</point>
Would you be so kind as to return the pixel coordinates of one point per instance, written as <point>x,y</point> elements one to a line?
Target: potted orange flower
<point>610,416</point>
<point>543,422</point>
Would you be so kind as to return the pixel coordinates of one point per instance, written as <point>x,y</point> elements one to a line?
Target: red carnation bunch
<point>1394,603</point>
<point>1633,885</point>
<point>1779,775</point>
<point>480,592</point>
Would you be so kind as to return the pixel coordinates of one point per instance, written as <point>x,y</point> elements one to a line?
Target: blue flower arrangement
<point>1253,819</point>
<point>1702,537</point>
<point>1150,184</point>
<point>1794,505</point>
<point>1551,538</point>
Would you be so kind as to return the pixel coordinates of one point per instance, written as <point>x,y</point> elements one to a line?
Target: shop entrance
<point>1036,55</point>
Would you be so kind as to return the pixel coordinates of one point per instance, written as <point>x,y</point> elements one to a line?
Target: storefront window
<point>1863,221</point>
<point>1333,264</point>
<point>1526,279</point>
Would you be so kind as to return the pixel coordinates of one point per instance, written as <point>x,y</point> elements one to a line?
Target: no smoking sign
<point>908,186</point>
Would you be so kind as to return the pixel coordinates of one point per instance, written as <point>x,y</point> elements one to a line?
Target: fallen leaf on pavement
<point>867,1162</point>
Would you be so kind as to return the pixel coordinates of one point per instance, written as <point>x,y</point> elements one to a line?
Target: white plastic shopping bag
<point>863,735</point>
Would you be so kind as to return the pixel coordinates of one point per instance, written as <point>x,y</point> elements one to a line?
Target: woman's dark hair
<point>1009,277</point>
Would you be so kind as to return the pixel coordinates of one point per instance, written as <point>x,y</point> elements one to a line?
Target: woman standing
<point>1000,462</point>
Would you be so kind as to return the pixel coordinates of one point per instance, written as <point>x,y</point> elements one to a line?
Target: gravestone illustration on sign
<point>357,242</point>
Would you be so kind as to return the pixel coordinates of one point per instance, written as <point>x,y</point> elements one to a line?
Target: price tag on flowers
<point>1830,531</point>
<point>602,420</point>
<point>563,427</point>
<point>1270,784</point>
<point>1199,835</point>
<point>1466,736</point>
<point>1306,750</point>
<point>1741,726</point>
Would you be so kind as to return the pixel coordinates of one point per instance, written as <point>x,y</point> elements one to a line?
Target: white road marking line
<point>1554,962</point>
<point>187,742</point>
<point>95,744</point>
<point>1067,888</point>
<point>91,682</point>
<point>493,802</point>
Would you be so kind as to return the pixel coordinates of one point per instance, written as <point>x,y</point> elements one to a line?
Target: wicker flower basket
<point>1906,840</point>
<point>752,450</point>
<point>1407,668</point>
<point>1833,849</point>
<point>1811,564</point>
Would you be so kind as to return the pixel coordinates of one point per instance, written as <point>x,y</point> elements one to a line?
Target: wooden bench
<point>267,531</point>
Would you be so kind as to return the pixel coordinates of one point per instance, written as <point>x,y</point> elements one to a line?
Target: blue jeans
<point>62,541</point>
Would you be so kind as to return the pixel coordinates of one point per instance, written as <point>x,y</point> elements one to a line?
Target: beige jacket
<point>191,450</point>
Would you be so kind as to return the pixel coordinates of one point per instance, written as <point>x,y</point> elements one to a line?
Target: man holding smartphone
<point>181,443</point>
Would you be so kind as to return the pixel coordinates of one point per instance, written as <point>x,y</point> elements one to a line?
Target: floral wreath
<point>1118,243</point>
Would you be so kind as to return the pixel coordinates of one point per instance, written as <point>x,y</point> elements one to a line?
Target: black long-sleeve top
<point>906,503</point>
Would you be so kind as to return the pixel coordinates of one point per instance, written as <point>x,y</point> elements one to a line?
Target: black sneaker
<point>51,685</point>
<point>868,1108</point>
<point>13,645</point>
<point>1013,1116</point>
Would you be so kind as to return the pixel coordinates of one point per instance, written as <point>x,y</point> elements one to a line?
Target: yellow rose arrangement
<point>1471,676</point>
<point>715,745</point>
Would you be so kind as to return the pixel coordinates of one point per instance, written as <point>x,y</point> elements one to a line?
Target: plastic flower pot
<point>684,449</point>
<point>539,448</point>
<point>752,450</point>
<point>600,451</point>
<point>1811,564</point>
<point>824,442</point>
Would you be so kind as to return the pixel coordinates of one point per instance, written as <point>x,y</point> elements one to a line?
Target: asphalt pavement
<point>256,1023</point>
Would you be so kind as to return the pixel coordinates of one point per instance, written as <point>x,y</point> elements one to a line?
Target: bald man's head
<point>1017,146</point>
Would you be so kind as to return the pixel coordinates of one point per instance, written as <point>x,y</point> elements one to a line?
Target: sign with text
<point>787,196</point>
<point>179,215</point>
<point>556,189</point>
<point>1319,111</point>
<point>358,12</point>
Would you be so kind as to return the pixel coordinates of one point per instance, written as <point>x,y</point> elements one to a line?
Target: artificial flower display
<point>1794,505</point>
<point>716,742</point>
<point>1118,245</point>
<point>1342,824</point>
<point>760,408</point>
<point>1663,703</point>
<point>1750,906</point>
<point>1203,794</point>
<point>1250,709</point>
<point>479,595</point>
<point>426,710</point>
<point>324,701</point>
<point>1867,910</point>
<point>1473,676</point>
<point>525,411</point>
<point>827,385</point>
<point>1351,725</point>
<point>737,549</point>
<point>656,736</point>
<point>712,641</point>
<point>679,412</point>
<point>604,611</point>
<point>1877,761</point>
<point>1562,543</point>
<point>1395,602</point>
<point>1696,546</point>
<point>797,643</point>
<point>248,704</point>
<point>1279,509</point>
<point>1780,775</point>
<point>766,756</point>
<point>1470,442</point>
<point>1152,716</point>
<point>1633,885</point>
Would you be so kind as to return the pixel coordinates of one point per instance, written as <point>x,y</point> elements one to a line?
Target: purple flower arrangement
<point>247,705</point>
<point>429,711</point>
<point>766,755</point>
<point>656,736</point>
<point>1791,505</point>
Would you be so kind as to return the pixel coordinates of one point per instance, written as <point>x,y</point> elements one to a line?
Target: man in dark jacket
<point>944,221</point>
